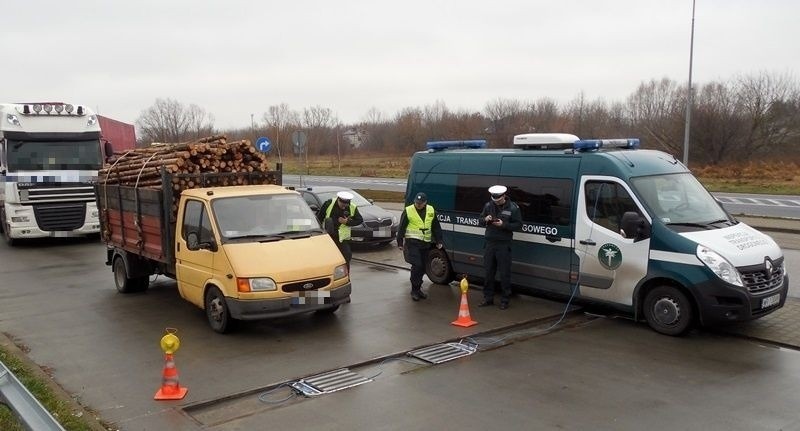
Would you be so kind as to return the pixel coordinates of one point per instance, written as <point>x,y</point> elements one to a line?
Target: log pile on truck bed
<point>143,167</point>
<point>169,169</point>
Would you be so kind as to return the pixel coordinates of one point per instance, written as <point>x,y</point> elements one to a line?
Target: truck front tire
<point>217,312</point>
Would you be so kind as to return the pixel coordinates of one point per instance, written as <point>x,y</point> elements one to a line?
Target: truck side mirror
<point>635,226</point>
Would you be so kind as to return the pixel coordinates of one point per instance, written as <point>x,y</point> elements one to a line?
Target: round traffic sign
<point>263,144</point>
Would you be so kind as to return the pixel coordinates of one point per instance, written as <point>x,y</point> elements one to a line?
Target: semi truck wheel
<point>668,311</point>
<point>123,282</point>
<point>217,311</point>
<point>437,268</point>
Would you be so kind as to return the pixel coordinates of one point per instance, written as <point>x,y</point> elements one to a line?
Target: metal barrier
<point>28,409</point>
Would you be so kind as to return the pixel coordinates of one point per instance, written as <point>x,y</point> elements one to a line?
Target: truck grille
<point>759,281</point>
<point>60,217</point>
<point>57,192</point>
<point>306,285</point>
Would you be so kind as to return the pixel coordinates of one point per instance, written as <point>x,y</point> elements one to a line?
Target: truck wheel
<point>668,311</point>
<point>125,284</point>
<point>438,267</point>
<point>217,312</point>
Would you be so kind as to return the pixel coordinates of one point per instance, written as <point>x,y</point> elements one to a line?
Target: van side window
<point>606,202</point>
<point>195,219</point>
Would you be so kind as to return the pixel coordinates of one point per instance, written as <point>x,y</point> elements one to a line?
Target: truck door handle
<point>552,238</point>
<point>587,242</point>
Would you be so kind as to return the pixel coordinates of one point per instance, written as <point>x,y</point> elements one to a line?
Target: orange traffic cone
<point>464,320</point>
<point>170,389</point>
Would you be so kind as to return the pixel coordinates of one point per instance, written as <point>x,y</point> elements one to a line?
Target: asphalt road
<point>57,299</point>
<point>784,206</point>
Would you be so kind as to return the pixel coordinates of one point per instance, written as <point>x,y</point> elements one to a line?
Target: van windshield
<point>264,217</point>
<point>681,202</point>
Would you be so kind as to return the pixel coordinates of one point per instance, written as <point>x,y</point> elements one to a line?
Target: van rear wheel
<point>668,311</point>
<point>437,268</point>
<point>123,282</point>
<point>217,312</point>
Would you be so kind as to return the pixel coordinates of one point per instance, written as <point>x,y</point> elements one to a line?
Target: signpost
<point>299,141</point>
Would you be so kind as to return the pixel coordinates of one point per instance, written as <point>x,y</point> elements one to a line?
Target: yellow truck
<point>242,252</point>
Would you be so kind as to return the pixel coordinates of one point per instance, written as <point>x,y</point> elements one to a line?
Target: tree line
<point>747,117</point>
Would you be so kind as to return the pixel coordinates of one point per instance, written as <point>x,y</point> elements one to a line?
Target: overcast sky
<point>236,58</point>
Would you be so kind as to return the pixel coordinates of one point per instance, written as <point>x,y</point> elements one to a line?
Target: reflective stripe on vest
<point>417,228</point>
<point>344,230</point>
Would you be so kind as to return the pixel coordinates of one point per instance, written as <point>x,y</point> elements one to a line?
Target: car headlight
<point>719,265</point>
<point>255,284</point>
<point>394,219</point>
<point>340,272</point>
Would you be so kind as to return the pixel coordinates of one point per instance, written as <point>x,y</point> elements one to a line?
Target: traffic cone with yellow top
<point>464,320</point>
<point>170,389</point>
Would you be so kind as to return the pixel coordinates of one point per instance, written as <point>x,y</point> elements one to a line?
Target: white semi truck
<point>49,157</point>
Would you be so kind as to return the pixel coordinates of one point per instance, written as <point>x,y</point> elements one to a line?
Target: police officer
<point>501,218</point>
<point>338,218</point>
<point>419,229</point>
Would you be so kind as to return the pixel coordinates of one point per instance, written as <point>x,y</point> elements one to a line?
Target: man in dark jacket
<point>501,217</point>
<point>418,231</point>
<point>340,216</point>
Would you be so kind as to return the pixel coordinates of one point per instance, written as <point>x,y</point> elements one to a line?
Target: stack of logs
<point>187,162</point>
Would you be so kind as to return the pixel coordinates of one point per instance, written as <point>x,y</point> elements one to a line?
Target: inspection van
<point>605,222</point>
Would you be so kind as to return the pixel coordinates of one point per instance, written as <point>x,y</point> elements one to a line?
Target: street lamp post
<point>689,94</point>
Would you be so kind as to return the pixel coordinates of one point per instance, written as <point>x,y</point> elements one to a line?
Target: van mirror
<point>635,226</point>
<point>210,245</point>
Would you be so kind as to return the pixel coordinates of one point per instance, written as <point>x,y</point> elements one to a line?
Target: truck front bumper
<point>271,308</point>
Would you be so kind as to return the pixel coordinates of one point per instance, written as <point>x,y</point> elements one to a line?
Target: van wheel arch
<point>666,285</point>
<point>215,306</point>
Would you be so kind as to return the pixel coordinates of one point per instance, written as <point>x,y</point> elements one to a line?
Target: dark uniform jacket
<point>508,212</point>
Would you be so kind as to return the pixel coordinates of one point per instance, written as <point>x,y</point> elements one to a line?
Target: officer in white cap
<point>338,218</point>
<point>418,231</point>
<point>501,217</point>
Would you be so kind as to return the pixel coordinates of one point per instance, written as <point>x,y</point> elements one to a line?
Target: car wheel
<point>217,312</point>
<point>329,310</point>
<point>668,311</point>
<point>437,268</point>
<point>123,282</point>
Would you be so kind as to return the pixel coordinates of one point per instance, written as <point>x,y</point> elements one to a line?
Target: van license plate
<point>770,301</point>
<point>382,232</point>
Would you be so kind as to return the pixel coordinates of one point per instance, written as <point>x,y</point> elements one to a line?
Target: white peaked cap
<point>498,190</point>
<point>345,196</point>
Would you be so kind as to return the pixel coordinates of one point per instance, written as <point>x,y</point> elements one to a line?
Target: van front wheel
<point>219,317</point>
<point>668,311</point>
<point>438,267</point>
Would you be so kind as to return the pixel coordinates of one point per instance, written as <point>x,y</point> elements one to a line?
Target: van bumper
<point>721,303</point>
<point>271,308</point>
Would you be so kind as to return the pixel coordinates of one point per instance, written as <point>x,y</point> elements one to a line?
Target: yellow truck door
<point>195,250</point>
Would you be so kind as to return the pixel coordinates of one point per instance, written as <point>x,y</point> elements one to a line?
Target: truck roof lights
<point>444,145</point>
<point>59,108</point>
<point>50,108</point>
<point>37,108</point>
<point>69,108</point>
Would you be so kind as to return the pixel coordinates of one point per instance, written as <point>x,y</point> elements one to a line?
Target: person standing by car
<point>337,218</point>
<point>418,231</point>
<point>501,217</point>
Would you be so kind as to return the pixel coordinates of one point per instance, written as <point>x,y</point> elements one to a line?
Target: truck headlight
<point>340,272</point>
<point>264,284</point>
<point>719,265</point>
<point>20,219</point>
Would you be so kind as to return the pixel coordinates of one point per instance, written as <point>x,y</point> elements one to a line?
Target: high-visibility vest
<point>344,230</point>
<point>418,228</point>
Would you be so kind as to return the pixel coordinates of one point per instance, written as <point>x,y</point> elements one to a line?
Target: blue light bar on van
<point>594,144</point>
<point>443,145</point>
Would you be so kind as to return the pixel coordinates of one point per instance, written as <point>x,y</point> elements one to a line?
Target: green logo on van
<point>610,256</point>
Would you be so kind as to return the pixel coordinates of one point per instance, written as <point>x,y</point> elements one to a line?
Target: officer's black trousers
<point>497,258</point>
<point>416,253</point>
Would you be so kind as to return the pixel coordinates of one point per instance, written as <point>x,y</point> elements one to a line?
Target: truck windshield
<point>53,155</point>
<point>263,216</point>
<point>681,202</point>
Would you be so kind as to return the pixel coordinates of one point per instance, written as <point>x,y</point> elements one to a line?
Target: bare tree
<point>504,116</point>
<point>170,121</point>
<point>656,109</point>
<point>768,103</point>
<point>277,119</point>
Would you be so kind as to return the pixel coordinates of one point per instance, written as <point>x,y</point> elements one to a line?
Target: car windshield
<point>263,216</point>
<point>358,200</point>
<point>679,199</point>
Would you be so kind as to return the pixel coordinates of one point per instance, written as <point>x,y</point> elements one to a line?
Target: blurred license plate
<point>382,232</point>
<point>770,301</point>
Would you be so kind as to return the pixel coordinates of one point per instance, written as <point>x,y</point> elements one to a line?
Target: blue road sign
<point>263,144</point>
